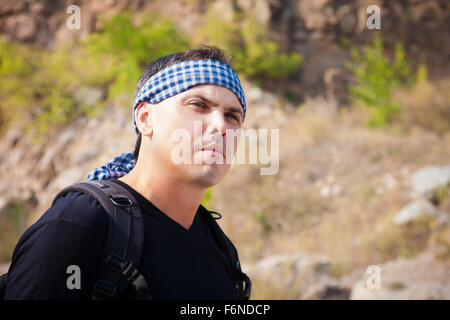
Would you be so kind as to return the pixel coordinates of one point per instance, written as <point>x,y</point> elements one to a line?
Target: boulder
<point>418,278</point>
<point>66,178</point>
<point>88,96</point>
<point>427,180</point>
<point>420,208</point>
<point>4,267</point>
<point>307,275</point>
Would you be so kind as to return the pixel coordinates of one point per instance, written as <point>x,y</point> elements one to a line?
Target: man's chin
<point>209,175</point>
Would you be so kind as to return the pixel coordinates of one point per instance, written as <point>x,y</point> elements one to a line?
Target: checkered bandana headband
<point>164,84</point>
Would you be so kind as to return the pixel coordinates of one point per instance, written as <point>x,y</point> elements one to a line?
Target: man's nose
<point>217,123</point>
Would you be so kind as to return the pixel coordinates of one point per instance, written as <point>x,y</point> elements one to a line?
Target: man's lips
<point>214,150</point>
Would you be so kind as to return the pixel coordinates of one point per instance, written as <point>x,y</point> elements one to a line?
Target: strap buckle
<point>120,200</point>
<point>244,285</point>
<point>98,184</point>
<point>125,268</point>
<point>104,290</point>
<point>248,287</point>
<point>130,272</point>
<point>115,262</point>
<point>216,215</point>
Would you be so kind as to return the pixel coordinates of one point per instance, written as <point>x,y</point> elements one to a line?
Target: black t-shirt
<point>177,263</point>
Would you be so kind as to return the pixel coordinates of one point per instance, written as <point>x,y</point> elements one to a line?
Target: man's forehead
<point>210,92</point>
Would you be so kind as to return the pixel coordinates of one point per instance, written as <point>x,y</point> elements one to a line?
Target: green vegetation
<point>129,47</point>
<point>15,70</point>
<point>38,86</point>
<point>254,54</point>
<point>262,218</point>
<point>425,104</point>
<point>442,193</point>
<point>12,224</point>
<point>391,241</point>
<point>377,78</point>
<point>41,86</point>
<point>206,202</point>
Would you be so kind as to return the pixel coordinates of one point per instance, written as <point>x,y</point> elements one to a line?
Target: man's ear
<point>143,118</point>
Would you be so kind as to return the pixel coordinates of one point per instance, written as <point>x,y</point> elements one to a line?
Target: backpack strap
<point>241,282</point>
<point>3,285</point>
<point>124,239</point>
<point>130,266</point>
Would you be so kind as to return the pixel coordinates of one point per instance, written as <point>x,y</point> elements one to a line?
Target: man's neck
<point>177,200</point>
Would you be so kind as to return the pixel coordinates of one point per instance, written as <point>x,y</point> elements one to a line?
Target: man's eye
<point>198,104</point>
<point>232,115</point>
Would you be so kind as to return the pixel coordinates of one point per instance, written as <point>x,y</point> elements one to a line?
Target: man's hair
<point>203,52</point>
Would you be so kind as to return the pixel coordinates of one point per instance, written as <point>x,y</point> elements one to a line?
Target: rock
<point>443,220</point>
<point>84,156</point>
<point>422,277</point>
<point>12,137</point>
<point>413,210</point>
<point>311,12</point>
<point>260,9</point>
<point>64,179</point>
<point>9,7</point>
<point>427,180</point>
<point>325,191</point>
<point>88,96</point>
<point>307,274</point>
<point>225,8</point>
<point>263,111</point>
<point>67,178</point>
<point>49,157</point>
<point>254,94</point>
<point>23,27</point>
<point>4,267</point>
<point>389,181</point>
<point>67,135</point>
<point>347,18</point>
<point>336,82</point>
<point>399,291</point>
<point>16,155</point>
<point>3,203</point>
<point>294,260</point>
<point>439,241</point>
<point>324,290</point>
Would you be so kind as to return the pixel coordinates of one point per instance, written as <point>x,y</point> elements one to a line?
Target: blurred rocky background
<point>364,120</point>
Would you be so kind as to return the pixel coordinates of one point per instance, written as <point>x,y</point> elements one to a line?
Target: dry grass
<point>12,224</point>
<point>426,106</point>
<point>338,188</point>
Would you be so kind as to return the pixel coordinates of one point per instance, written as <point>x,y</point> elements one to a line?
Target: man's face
<point>214,111</point>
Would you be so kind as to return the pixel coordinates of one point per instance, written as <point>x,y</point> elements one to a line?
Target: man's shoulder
<point>77,208</point>
<point>70,232</point>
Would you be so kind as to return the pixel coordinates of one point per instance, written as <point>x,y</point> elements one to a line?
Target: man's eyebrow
<point>200,97</point>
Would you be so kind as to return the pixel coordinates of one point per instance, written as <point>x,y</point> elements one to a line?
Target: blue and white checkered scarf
<point>164,84</point>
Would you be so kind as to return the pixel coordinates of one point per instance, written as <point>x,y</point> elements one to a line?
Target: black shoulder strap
<point>242,283</point>
<point>124,239</point>
<point>3,284</point>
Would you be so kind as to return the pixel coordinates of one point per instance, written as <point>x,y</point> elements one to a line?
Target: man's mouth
<point>214,150</point>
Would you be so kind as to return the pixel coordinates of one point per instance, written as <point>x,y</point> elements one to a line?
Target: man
<point>194,91</point>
